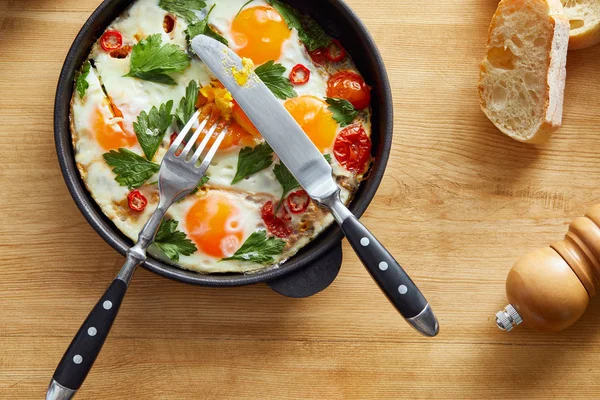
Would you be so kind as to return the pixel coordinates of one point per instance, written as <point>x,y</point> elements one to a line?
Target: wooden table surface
<point>458,205</point>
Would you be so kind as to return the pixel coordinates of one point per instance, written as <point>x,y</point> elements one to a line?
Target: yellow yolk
<point>314,118</point>
<point>110,136</point>
<point>241,76</point>
<point>220,96</point>
<point>242,119</point>
<point>235,136</point>
<point>213,223</point>
<point>259,33</point>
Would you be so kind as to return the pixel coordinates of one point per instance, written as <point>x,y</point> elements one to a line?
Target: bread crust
<point>589,34</point>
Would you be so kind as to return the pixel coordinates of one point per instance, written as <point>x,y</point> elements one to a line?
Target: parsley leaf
<point>272,76</point>
<point>151,60</point>
<point>312,35</point>
<point>173,242</point>
<point>327,158</point>
<point>287,13</point>
<point>131,169</point>
<point>286,179</point>
<point>204,28</point>
<point>151,127</point>
<point>187,104</point>
<point>183,8</point>
<point>253,160</point>
<point>259,249</point>
<point>81,83</point>
<point>343,111</point>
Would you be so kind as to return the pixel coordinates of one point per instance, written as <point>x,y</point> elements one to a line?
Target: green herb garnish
<point>259,249</point>
<point>272,76</point>
<point>204,28</point>
<point>183,8</point>
<point>187,105</point>
<point>151,60</point>
<point>253,160</point>
<point>81,83</point>
<point>173,242</point>
<point>151,127</point>
<point>287,181</point>
<point>131,169</point>
<point>343,111</point>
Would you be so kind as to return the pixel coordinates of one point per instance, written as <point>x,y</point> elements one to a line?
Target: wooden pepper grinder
<point>549,289</point>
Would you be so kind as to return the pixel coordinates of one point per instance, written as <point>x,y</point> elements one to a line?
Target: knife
<point>314,174</point>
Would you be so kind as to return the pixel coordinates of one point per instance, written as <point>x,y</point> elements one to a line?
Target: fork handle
<point>87,343</point>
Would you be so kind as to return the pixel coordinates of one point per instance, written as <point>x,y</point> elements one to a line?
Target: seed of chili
<point>298,201</point>
<point>111,40</point>
<point>335,51</point>
<point>299,75</point>
<point>136,200</point>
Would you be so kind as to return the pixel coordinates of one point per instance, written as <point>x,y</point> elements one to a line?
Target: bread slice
<point>522,78</point>
<point>584,18</point>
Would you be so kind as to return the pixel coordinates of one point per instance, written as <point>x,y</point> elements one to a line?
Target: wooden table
<point>459,204</point>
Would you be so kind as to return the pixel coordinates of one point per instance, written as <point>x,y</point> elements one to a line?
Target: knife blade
<point>314,174</point>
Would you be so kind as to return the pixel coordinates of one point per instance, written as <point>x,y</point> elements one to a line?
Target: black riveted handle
<point>385,270</point>
<point>86,345</point>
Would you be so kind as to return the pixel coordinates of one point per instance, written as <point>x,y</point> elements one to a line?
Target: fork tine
<point>177,142</point>
<point>202,144</point>
<point>211,153</point>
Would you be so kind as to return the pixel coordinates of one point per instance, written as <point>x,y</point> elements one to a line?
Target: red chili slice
<point>298,201</point>
<point>275,224</point>
<point>136,200</point>
<point>352,148</point>
<point>111,40</point>
<point>299,75</point>
<point>319,56</point>
<point>335,51</point>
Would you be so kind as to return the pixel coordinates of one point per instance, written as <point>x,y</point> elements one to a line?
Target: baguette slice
<point>522,78</point>
<point>584,18</point>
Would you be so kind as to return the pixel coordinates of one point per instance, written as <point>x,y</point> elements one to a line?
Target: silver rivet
<point>92,331</point>
<point>77,359</point>
<point>402,289</point>
<point>383,265</point>
<point>107,305</point>
<point>365,242</point>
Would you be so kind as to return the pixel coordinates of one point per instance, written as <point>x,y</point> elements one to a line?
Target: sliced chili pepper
<point>299,75</point>
<point>136,200</point>
<point>276,224</point>
<point>298,201</point>
<point>319,56</point>
<point>335,51</point>
<point>111,40</point>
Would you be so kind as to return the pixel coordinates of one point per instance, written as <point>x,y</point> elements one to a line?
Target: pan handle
<point>313,278</point>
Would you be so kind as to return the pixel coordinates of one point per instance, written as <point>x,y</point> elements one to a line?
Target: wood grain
<point>459,204</point>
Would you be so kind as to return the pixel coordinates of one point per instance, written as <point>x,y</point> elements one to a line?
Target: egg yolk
<point>110,136</point>
<point>235,136</point>
<point>242,119</point>
<point>259,33</point>
<point>315,119</point>
<point>214,224</point>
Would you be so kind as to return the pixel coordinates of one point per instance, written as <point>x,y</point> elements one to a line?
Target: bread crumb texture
<point>523,75</point>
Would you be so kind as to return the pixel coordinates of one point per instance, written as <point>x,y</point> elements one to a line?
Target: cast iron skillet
<point>315,266</point>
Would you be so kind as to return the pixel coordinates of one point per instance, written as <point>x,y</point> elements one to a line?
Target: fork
<point>179,175</point>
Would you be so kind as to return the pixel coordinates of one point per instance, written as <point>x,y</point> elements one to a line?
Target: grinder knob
<point>549,289</point>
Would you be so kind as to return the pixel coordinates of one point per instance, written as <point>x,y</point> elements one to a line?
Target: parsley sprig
<point>203,28</point>
<point>253,160</point>
<point>286,179</point>
<point>273,77</point>
<point>81,83</point>
<point>131,169</point>
<point>187,104</point>
<point>173,242</point>
<point>183,8</point>
<point>151,60</point>
<point>259,249</point>
<point>151,127</point>
<point>343,111</point>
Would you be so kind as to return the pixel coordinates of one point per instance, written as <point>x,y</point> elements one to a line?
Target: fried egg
<point>221,216</point>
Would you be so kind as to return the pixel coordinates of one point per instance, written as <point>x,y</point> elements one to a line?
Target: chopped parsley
<point>81,83</point>
<point>151,127</point>
<point>273,76</point>
<point>187,105</point>
<point>309,31</point>
<point>204,28</point>
<point>131,169</point>
<point>327,158</point>
<point>343,111</point>
<point>151,60</point>
<point>253,160</point>
<point>259,249</point>
<point>173,242</point>
<point>183,8</point>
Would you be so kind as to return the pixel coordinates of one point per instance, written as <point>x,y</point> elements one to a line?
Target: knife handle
<point>391,277</point>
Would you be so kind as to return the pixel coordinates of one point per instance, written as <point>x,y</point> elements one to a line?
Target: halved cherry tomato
<point>136,200</point>
<point>299,75</point>
<point>352,148</point>
<point>298,201</point>
<point>276,224</point>
<point>111,40</point>
<point>319,56</point>
<point>349,85</point>
<point>335,51</point>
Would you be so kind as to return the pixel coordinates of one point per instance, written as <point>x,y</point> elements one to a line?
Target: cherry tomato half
<point>352,148</point>
<point>111,40</point>
<point>319,56</point>
<point>299,75</point>
<point>298,201</point>
<point>335,51</point>
<point>136,200</point>
<point>349,85</point>
<point>276,224</point>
